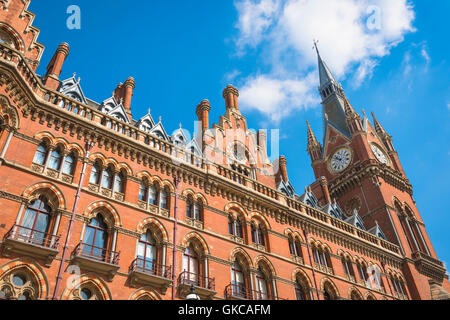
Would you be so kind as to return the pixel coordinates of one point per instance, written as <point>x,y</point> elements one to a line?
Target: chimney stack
<point>325,190</point>
<point>231,95</point>
<point>128,88</point>
<point>202,111</point>
<point>55,66</point>
<point>283,169</point>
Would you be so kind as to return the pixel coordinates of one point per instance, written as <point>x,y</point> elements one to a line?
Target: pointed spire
<point>324,72</point>
<point>312,140</point>
<point>378,127</point>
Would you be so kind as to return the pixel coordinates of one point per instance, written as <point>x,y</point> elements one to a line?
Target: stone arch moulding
<point>98,206</point>
<point>33,192</point>
<point>33,268</point>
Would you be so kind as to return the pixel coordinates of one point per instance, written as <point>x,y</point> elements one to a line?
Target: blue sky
<point>181,52</point>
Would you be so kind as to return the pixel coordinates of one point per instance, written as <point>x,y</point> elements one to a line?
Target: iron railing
<point>151,267</point>
<point>33,237</point>
<point>97,253</point>
<point>189,278</point>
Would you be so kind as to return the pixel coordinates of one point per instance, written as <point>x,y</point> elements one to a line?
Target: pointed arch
<point>145,293</point>
<point>31,267</point>
<point>154,224</point>
<point>266,264</point>
<point>90,280</point>
<point>370,296</point>
<point>197,240</point>
<point>46,136</point>
<point>257,216</point>
<point>326,284</point>
<point>9,111</point>
<point>236,206</point>
<point>19,44</point>
<point>354,294</point>
<point>299,275</point>
<point>239,252</point>
<point>55,195</point>
<point>112,218</point>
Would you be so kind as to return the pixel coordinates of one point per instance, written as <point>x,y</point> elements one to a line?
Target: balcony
<point>240,292</point>
<point>237,292</point>
<point>96,259</point>
<point>204,286</point>
<point>30,242</point>
<point>429,266</point>
<point>150,273</point>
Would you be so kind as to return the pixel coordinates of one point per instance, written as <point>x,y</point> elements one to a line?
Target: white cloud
<point>263,93</point>
<point>230,76</point>
<point>284,30</point>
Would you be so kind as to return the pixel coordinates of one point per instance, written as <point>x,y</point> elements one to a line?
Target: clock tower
<point>363,173</point>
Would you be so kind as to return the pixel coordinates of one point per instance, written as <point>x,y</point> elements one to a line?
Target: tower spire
<point>314,147</point>
<point>333,97</point>
<point>378,127</point>
<point>326,76</point>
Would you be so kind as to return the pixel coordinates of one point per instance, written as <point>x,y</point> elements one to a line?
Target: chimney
<point>283,168</point>
<point>326,192</point>
<point>55,66</point>
<point>202,111</point>
<point>231,94</point>
<point>128,88</point>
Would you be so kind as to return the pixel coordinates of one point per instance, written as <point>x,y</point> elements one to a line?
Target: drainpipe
<point>175,229</point>
<point>305,232</point>
<point>89,146</point>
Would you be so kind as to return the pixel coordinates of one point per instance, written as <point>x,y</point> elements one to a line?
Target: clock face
<point>340,160</point>
<point>379,154</point>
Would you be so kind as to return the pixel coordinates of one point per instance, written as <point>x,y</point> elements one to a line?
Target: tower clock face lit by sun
<point>340,160</point>
<point>379,154</point>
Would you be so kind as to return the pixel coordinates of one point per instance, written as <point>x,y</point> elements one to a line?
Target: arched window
<point>36,222</point>
<point>238,281</point>
<point>191,266</point>
<point>321,258</point>
<point>164,199</point>
<point>362,271</point>
<point>235,227</point>
<point>41,154</point>
<point>262,292</point>
<point>194,210</point>
<point>348,268</point>
<point>69,164</point>
<point>258,235</point>
<point>147,253</point>
<point>107,178</point>
<point>119,183</point>
<point>328,292</point>
<point>95,174</point>
<point>153,195</point>
<point>95,239</point>
<point>295,247</point>
<point>355,296</point>
<point>302,290</point>
<point>55,159</point>
<point>142,191</point>
<point>18,285</point>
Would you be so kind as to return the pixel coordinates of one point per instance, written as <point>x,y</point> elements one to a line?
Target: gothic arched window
<point>36,222</point>
<point>69,164</point>
<point>191,266</point>
<point>95,174</point>
<point>41,154</point>
<point>238,281</point>
<point>18,285</point>
<point>147,253</point>
<point>107,178</point>
<point>119,183</point>
<point>262,292</point>
<point>55,159</point>
<point>95,239</point>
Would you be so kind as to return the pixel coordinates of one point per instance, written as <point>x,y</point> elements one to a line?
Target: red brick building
<point>97,205</point>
